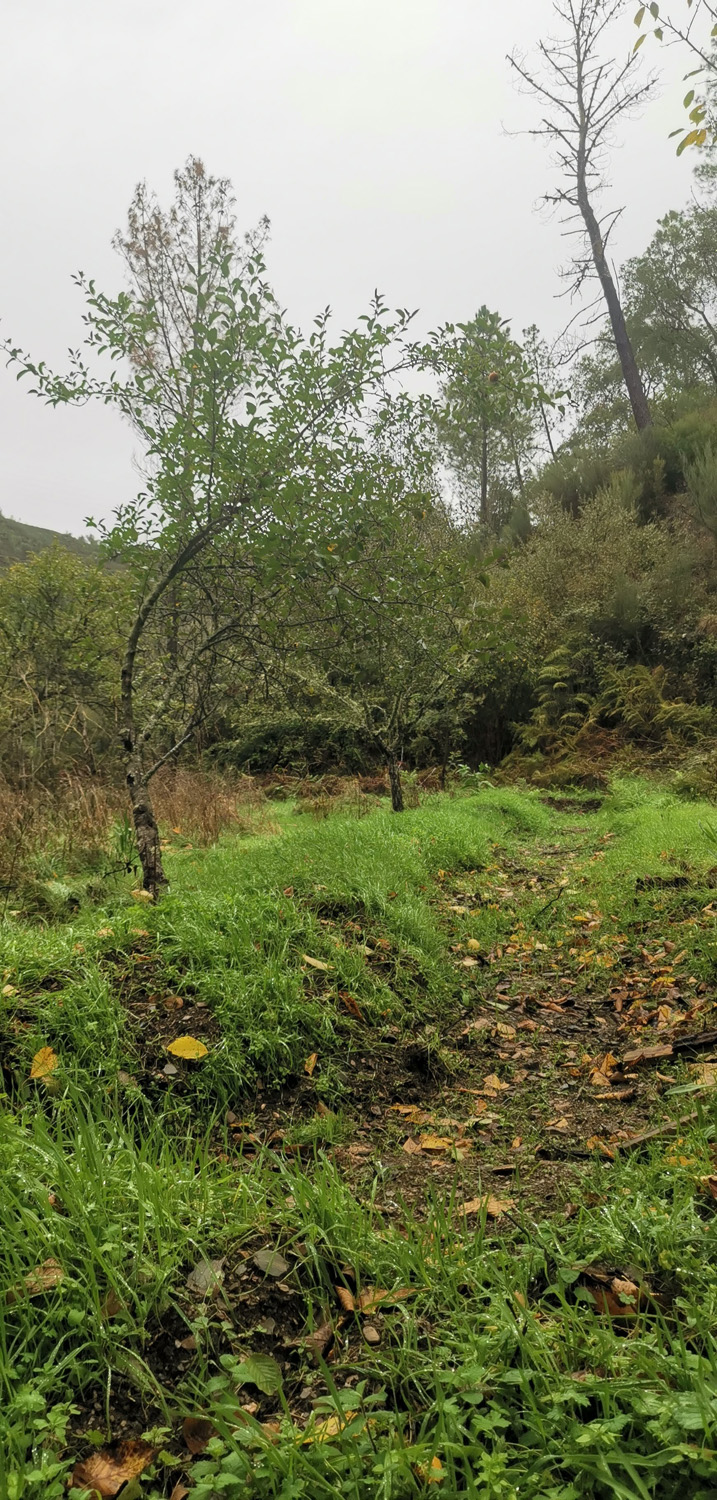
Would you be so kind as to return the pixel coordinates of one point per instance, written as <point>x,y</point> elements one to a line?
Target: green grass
<point>227,935</point>
<point>497,1377</point>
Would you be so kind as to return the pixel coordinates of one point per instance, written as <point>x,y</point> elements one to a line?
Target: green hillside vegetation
<point>19,542</point>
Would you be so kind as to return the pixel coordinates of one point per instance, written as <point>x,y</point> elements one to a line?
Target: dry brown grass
<point>73,826</point>
<point>203,804</point>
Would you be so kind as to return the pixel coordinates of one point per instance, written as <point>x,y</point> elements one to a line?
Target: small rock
<point>169,1070</point>
<point>371,1334</point>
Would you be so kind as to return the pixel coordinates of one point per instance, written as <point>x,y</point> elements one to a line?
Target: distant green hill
<point>18,541</point>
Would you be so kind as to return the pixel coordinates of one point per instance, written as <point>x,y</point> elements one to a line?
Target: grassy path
<point>389,1232</point>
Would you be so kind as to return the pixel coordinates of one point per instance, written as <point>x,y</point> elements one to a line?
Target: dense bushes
<point>61,626</point>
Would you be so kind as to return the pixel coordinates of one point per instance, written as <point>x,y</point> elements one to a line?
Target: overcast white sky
<point>370,131</point>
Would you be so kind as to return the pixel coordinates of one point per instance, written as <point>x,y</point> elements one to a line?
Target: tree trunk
<point>394,776</point>
<point>626,355</point>
<point>146,831</point>
<point>484,508</point>
<point>546,425</point>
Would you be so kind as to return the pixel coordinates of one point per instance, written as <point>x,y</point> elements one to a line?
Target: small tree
<point>247,427</point>
<point>486,420</point>
<point>583,94</point>
<point>385,612</point>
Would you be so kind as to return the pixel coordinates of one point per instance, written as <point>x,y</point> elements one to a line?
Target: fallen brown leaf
<point>314,963</point>
<point>318,1342</point>
<point>411,1147</point>
<point>196,1432</point>
<point>412,1113</point>
<point>563,1125</point>
<point>608,1300</point>
<point>705,1073</point>
<point>180,1491</point>
<point>371,1297</point>
<point>351,1005</point>
<point>346,1299</point>
<point>594,1143</point>
<point>112,1305</point>
<point>494,1207</point>
<point>310,1063</point>
<point>492,1081</point>
<point>106,1472</point>
<point>43,1279</point>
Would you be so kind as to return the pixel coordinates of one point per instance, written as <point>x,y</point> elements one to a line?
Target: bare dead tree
<point>583,92</point>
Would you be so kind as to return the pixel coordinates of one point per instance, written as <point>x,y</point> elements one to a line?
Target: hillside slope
<point>18,541</point>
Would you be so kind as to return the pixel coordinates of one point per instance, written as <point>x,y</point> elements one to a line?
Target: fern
<point>635,697</point>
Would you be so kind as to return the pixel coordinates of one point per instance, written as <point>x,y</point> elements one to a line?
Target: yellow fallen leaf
<point>473,945</point>
<point>494,1082</point>
<point>104,932</point>
<point>494,1207</point>
<point>507,1032</point>
<point>435,1143</point>
<point>8,990</point>
<point>706,1074</point>
<point>326,1430</point>
<point>469,963</point>
<point>44,1062</point>
<point>142,895</point>
<point>434,1474</point>
<point>314,962</point>
<point>461,911</point>
<point>413,1114</point>
<point>310,1063</point>
<point>594,1143</point>
<point>563,1125</point>
<point>516,1144</point>
<point>187,1046</point>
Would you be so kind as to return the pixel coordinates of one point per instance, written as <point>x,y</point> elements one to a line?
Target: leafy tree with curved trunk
<point>248,428</point>
<point>584,93</point>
